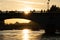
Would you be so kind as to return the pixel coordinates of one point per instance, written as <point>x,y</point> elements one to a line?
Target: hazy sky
<point>26,4</point>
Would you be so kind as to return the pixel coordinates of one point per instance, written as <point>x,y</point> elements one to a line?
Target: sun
<point>27,9</point>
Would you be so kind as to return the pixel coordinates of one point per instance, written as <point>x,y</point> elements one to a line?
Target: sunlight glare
<point>27,9</point>
<point>26,31</point>
<point>26,34</point>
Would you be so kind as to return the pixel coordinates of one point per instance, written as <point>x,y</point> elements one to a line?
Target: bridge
<point>48,21</point>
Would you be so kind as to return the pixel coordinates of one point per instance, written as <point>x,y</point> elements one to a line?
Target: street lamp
<point>48,4</point>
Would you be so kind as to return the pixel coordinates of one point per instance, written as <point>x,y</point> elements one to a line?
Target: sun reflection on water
<point>26,34</point>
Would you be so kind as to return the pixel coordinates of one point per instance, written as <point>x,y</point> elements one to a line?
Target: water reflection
<point>26,34</point>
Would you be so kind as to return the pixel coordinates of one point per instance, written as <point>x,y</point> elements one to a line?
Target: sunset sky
<point>26,4</point>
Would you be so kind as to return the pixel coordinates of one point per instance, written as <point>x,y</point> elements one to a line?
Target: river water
<point>26,34</point>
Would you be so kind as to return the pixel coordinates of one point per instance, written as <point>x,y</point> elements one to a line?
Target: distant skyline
<point>22,5</point>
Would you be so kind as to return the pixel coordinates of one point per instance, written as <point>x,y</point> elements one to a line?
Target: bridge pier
<point>50,29</point>
<point>1,25</point>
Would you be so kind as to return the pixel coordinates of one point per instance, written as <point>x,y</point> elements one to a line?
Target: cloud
<point>18,4</point>
<point>22,1</point>
<point>29,2</point>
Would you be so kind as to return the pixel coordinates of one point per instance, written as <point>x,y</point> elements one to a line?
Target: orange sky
<point>26,4</point>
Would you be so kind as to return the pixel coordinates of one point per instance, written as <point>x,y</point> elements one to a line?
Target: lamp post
<point>48,4</point>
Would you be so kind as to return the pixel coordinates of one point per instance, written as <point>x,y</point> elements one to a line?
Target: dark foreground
<point>50,37</point>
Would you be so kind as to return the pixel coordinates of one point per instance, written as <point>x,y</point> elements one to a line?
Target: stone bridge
<point>48,21</point>
<point>42,18</point>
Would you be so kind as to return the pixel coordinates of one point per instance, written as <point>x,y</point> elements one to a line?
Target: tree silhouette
<point>55,9</point>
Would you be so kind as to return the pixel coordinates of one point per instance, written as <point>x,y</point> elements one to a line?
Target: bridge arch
<point>25,23</point>
<point>42,19</point>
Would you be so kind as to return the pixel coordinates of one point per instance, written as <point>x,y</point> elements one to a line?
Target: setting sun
<point>26,9</point>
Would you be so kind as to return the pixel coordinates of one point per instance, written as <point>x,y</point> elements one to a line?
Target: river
<point>25,34</point>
